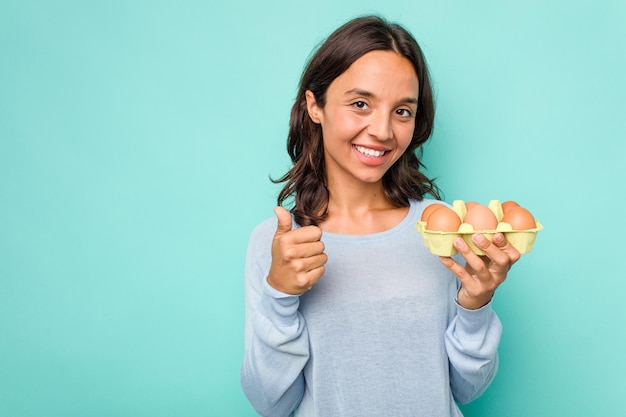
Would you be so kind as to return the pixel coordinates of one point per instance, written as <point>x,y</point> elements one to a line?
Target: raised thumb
<point>284,220</point>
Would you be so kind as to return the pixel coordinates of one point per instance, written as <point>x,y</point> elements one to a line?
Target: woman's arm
<point>276,340</point>
<point>473,336</point>
<point>471,341</point>
<point>277,349</point>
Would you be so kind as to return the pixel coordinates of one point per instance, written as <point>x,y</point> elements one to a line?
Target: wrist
<point>473,302</point>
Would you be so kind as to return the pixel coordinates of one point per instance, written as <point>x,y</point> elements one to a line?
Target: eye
<point>404,113</point>
<point>361,105</point>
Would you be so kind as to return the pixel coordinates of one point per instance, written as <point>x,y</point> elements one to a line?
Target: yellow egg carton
<point>441,243</point>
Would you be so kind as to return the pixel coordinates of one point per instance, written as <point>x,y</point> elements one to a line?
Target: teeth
<point>369,152</point>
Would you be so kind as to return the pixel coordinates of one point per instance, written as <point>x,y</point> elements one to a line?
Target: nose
<point>380,126</point>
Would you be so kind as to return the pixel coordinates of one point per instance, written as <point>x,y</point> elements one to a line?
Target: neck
<point>360,209</point>
<point>356,196</point>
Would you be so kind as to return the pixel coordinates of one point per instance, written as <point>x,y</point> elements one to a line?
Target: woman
<point>347,313</point>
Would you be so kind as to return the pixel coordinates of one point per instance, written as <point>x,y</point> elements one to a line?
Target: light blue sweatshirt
<point>380,334</point>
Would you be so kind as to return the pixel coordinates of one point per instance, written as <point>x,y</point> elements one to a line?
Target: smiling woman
<point>347,313</point>
<point>366,131</point>
<point>306,181</point>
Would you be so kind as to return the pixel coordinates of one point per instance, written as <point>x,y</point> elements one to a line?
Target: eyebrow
<point>365,93</point>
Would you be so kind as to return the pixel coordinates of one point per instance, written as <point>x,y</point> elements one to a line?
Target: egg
<point>481,218</point>
<point>429,209</point>
<point>519,218</point>
<point>443,219</point>
<point>509,205</point>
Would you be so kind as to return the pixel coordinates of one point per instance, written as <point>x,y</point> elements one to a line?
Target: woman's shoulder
<point>264,228</point>
<point>260,239</point>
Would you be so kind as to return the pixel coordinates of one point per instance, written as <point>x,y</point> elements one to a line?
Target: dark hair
<point>306,180</point>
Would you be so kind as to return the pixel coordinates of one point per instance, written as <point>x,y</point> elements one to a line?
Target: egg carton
<point>441,243</point>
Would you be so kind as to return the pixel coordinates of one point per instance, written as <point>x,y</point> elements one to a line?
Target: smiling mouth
<point>371,153</point>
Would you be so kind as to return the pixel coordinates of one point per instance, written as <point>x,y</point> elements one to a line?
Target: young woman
<point>347,313</point>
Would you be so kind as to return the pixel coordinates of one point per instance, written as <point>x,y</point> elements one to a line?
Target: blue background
<point>136,142</point>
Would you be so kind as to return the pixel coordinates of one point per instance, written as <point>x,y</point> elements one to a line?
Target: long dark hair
<point>306,180</point>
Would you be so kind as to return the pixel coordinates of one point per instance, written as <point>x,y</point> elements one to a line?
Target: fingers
<point>473,293</point>
<point>305,250</point>
<point>303,256</point>
<point>481,275</point>
<point>455,268</point>
<point>284,221</point>
<point>309,270</point>
<point>296,275</point>
<point>298,256</point>
<point>501,255</point>
<point>300,235</point>
<point>495,257</point>
<point>500,242</point>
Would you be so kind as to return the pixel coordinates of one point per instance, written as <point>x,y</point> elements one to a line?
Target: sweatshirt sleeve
<point>471,341</point>
<point>276,340</point>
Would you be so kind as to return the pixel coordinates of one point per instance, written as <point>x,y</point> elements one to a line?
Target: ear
<point>315,112</point>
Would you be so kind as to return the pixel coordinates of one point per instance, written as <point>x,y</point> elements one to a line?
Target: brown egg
<point>519,218</point>
<point>470,204</point>
<point>508,205</point>
<point>429,209</point>
<point>481,218</point>
<point>444,219</point>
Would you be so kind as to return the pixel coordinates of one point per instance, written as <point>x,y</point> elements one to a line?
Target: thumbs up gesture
<point>298,256</point>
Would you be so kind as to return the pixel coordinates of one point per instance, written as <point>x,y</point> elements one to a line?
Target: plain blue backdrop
<point>136,143</point>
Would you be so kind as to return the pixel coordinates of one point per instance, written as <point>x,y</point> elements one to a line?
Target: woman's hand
<point>298,256</point>
<point>482,274</point>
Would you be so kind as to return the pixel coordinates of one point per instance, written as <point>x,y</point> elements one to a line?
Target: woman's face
<point>369,117</point>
